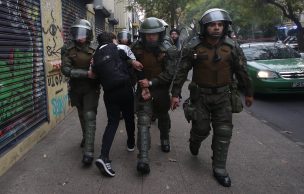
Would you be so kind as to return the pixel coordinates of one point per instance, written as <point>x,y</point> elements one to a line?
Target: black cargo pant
<point>116,101</point>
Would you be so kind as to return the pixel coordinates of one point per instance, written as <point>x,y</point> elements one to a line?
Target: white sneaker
<point>105,166</point>
<point>130,148</point>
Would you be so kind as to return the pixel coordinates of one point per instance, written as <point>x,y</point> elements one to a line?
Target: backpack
<point>110,67</point>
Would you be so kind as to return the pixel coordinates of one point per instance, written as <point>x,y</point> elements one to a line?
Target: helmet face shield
<point>81,30</point>
<point>214,15</point>
<point>152,27</point>
<point>218,15</point>
<point>124,36</point>
<point>152,39</point>
<point>80,33</point>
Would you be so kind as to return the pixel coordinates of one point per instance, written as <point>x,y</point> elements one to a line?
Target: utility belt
<point>215,90</point>
<point>196,91</point>
<point>190,107</point>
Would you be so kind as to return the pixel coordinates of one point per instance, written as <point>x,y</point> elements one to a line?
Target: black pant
<point>116,101</point>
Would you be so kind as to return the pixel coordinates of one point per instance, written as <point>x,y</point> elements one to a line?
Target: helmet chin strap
<point>214,36</point>
<point>151,45</point>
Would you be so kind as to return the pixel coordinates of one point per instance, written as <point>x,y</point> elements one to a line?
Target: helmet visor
<point>124,36</point>
<point>80,33</point>
<point>215,16</point>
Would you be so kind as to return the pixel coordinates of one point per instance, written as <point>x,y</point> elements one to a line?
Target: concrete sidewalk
<point>260,160</point>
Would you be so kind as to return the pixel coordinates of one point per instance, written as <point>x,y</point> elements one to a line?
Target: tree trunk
<point>172,10</point>
<point>300,38</point>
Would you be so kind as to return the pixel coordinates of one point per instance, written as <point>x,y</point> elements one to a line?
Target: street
<point>50,77</point>
<point>260,161</point>
<point>283,113</point>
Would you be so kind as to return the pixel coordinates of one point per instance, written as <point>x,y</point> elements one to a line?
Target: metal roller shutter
<point>71,10</point>
<point>99,22</point>
<point>23,104</point>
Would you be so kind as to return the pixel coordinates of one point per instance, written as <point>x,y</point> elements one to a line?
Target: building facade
<point>33,92</point>
<point>127,16</point>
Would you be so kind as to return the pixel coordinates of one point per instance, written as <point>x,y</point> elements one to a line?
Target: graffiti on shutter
<point>23,103</point>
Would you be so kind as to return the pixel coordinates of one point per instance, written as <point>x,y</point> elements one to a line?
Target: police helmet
<point>213,15</point>
<point>81,29</point>
<point>152,25</point>
<point>124,37</point>
<point>166,25</point>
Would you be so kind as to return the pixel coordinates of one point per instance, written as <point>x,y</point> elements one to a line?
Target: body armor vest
<point>210,73</point>
<point>81,58</point>
<point>152,64</point>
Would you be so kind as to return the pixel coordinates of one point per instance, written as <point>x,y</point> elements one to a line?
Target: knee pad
<point>198,138</point>
<point>144,120</point>
<point>90,115</point>
<point>223,130</point>
<point>200,130</point>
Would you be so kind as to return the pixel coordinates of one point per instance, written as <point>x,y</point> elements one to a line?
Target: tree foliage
<point>252,16</point>
<point>170,10</point>
<point>245,15</point>
<point>249,17</point>
<point>291,9</point>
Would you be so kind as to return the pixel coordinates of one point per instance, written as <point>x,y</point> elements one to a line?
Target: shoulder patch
<point>167,38</point>
<point>194,42</point>
<point>165,45</point>
<point>229,41</point>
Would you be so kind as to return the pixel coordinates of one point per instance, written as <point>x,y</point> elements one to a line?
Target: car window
<point>269,51</point>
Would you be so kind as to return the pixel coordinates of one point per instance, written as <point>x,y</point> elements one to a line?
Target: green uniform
<point>159,67</point>
<point>214,70</point>
<point>84,92</point>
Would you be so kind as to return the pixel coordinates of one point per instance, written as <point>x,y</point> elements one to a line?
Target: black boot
<point>220,145</point>
<point>87,159</point>
<point>224,180</point>
<point>143,167</point>
<point>165,145</point>
<point>194,147</point>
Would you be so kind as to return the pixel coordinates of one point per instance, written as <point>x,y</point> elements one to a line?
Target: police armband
<point>78,73</point>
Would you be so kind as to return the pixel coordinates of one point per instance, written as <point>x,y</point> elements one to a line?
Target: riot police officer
<point>216,59</point>
<point>174,38</point>
<point>158,59</point>
<point>84,89</point>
